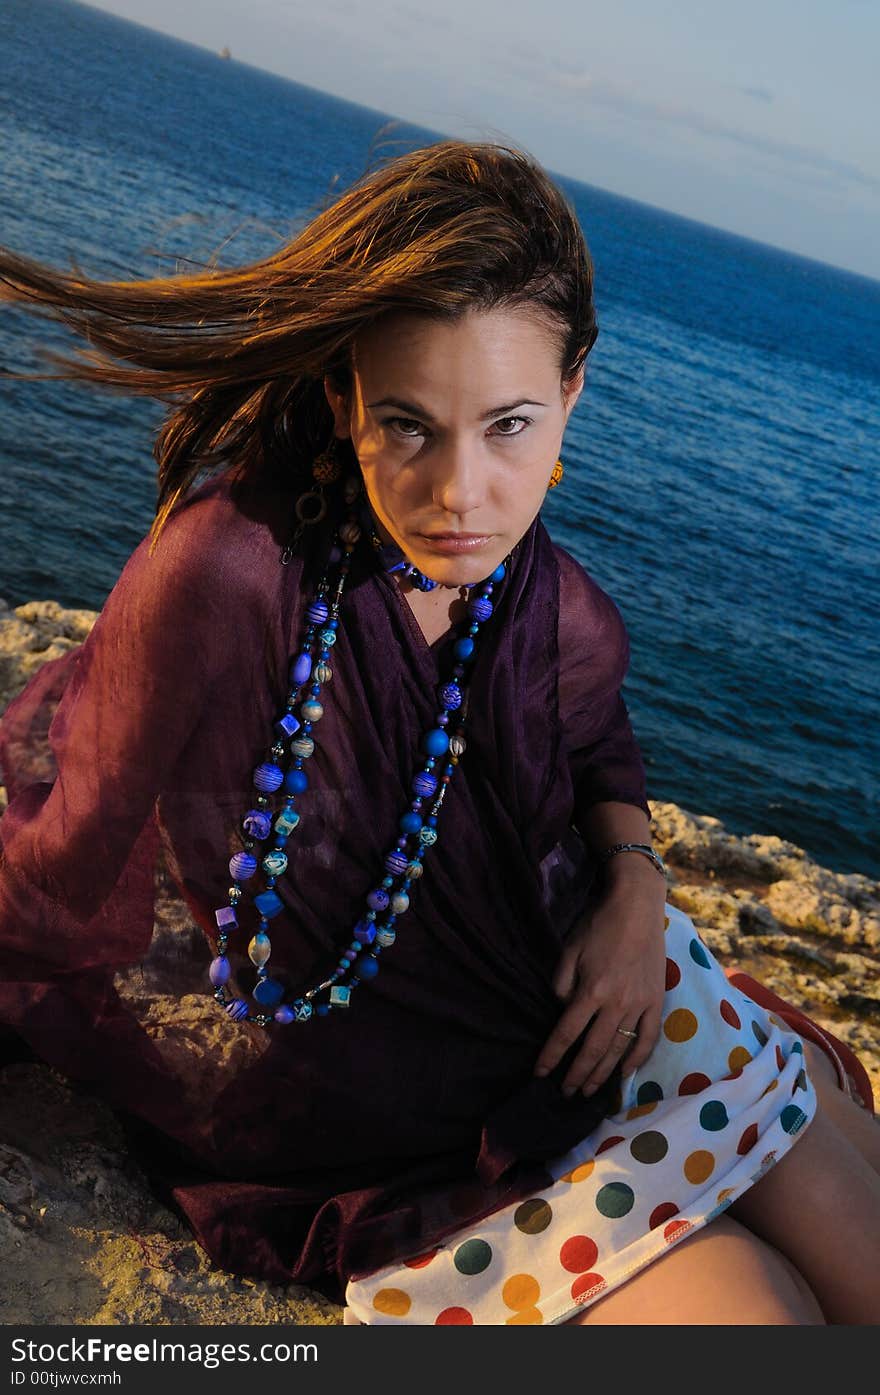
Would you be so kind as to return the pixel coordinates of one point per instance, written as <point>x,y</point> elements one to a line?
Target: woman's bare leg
<point>722,1275</point>
<point>820,1205</point>
<point>860,1126</point>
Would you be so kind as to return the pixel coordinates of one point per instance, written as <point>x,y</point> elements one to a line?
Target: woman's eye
<point>398,423</point>
<point>526,421</point>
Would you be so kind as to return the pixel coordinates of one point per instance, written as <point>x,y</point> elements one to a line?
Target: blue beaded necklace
<point>374,931</point>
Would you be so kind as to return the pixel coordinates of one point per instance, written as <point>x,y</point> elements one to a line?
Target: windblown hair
<point>240,353</point>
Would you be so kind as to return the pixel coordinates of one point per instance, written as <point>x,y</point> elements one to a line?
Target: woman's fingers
<point>649,1031</point>
<point>600,1052</point>
<point>567,1030</point>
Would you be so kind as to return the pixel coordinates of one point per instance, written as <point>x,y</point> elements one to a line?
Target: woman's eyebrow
<point>426,416</point>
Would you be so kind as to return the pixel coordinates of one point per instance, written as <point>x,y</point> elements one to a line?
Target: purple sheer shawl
<point>314,1152</point>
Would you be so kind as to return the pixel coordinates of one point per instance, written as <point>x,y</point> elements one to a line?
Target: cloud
<point>760,94</point>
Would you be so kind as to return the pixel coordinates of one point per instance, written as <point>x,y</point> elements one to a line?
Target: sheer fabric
<point>319,1151</point>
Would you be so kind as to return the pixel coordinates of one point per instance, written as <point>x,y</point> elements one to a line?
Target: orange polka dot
<point>666,922</point>
<point>699,1165</point>
<point>724,1194</point>
<point>780,1059</point>
<point>771,1086</point>
<point>393,1301</point>
<point>778,1022</point>
<point>680,1025</point>
<point>526,1315</point>
<point>738,1058</point>
<point>420,1261</point>
<point>521,1291</point>
<point>579,1173</point>
<point>639,1109</point>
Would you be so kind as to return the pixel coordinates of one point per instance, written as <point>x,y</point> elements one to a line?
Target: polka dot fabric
<point>722,1097</point>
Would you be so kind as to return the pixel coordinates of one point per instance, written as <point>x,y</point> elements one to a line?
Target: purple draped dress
<point>320,1151</point>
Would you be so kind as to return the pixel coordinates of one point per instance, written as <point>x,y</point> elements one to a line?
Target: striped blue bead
<point>241,866</point>
<point>318,612</point>
<point>237,1009</point>
<point>424,784</point>
<point>480,608</point>
<point>268,776</point>
<point>435,742</point>
<point>396,863</point>
<point>269,903</point>
<point>450,695</point>
<point>296,782</point>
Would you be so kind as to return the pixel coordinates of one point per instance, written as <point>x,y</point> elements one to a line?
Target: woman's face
<point>457,427</point>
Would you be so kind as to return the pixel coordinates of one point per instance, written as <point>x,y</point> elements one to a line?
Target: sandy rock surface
<point>84,1240</point>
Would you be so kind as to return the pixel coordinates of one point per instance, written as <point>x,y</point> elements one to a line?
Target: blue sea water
<point>721,465</point>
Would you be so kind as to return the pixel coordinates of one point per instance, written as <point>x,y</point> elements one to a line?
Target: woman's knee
<point>723,1275</point>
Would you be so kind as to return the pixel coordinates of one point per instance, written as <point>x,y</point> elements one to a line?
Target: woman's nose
<point>459,482</point>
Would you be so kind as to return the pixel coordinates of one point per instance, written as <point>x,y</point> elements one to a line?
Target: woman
<point>451,1055</point>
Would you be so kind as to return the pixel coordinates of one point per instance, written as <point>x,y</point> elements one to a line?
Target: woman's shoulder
<point>588,614</point>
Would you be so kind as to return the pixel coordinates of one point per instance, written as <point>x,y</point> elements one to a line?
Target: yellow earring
<point>556,476</point>
<point>327,467</point>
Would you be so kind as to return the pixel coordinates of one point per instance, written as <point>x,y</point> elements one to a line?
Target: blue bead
<point>365,932</point>
<point>300,670</point>
<point>219,971</point>
<point>463,648</point>
<point>480,608</point>
<point>499,573</point>
<point>424,784</point>
<point>269,992</point>
<point>267,777</point>
<point>435,742</point>
<point>410,823</point>
<point>396,863</point>
<point>286,726</point>
<point>237,1009</point>
<point>269,903</point>
<point>242,866</point>
<point>367,966</point>
<point>377,899</point>
<point>284,1014</point>
<point>296,782</point>
<point>322,1009</point>
<point>450,695</point>
<point>257,823</point>
<point>318,612</point>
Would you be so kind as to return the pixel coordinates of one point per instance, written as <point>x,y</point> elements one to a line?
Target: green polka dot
<point>760,1034</point>
<point>649,1147</point>
<point>792,1118</point>
<point>713,1116</point>
<point>699,955</point>
<point>615,1199</point>
<point>649,1092</point>
<point>797,1046</point>
<point>472,1257</point>
<point>533,1216</point>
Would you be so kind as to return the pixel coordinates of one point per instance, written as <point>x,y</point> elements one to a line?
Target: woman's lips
<point>456,542</point>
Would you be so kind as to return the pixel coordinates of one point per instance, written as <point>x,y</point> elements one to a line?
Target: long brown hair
<point>240,353</point>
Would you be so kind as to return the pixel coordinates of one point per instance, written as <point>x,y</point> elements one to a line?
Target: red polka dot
<point>585,1286</point>
<point>609,1143</point>
<point>748,1140</point>
<point>674,1230</point>
<point>694,1083</point>
<point>728,1012</point>
<point>421,1260</point>
<point>454,1317</point>
<point>673,974</point>
<point>662,1213</point>
<point>578,1253</point>
<point>780,1059</point>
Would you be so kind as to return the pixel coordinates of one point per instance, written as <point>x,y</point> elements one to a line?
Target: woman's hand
<point>613,970</point>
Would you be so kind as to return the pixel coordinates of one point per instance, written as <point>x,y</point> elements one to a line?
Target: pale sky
<point>758,116</point>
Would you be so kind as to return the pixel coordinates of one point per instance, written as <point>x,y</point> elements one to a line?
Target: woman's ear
<point>338,405</point>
